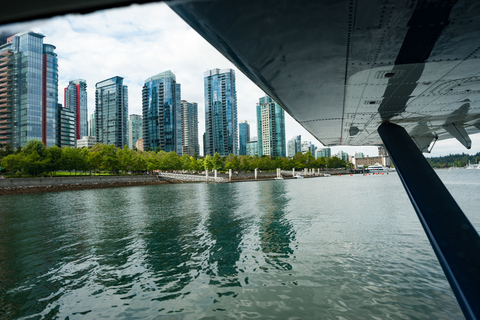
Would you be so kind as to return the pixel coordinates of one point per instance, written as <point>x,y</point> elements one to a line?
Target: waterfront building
<point>243,137</point>
<point>75,96</point>
<point>28,105</point>
<point>294,145</point>
<point>161,110</point>
<point>359,155</point>
<point>252,147</point>
<point>325,152</point>
<point>91,125</point>
<point>135,130</point>
<point>86,142</point>
<point>308,146</point>
<point>190,144</point>
<point>220,112</point>
<point>342,155</point>
<point>66,127</point>
<point>270,128</point>
<point>370,161</point>
<point>111,112</point>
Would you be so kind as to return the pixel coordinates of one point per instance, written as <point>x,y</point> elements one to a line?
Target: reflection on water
<point>345,247</point>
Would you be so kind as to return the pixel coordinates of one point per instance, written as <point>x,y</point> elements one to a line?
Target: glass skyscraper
<point>294,145</point>
<point>270,128</point>
<point>243,137</point>
<point>76,100</point>
<point>135,129</point>
<point>111,112</point>
<point>91,126</point>
<point>162,117</point>
<point>67,136</point>
<point>190,128</point>
<point>28,90</point>
<point>220,112</point>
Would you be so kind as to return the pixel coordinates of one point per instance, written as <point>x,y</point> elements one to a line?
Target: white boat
<point>298,176</point>
<point>377,168</point>
<point>472,166</point>
<point>326,174</point>
<point>278,178</point>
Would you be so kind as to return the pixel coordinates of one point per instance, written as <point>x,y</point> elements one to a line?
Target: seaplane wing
<point>341,68</point>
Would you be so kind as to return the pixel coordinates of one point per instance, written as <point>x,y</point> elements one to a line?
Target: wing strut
<point>453,238</point>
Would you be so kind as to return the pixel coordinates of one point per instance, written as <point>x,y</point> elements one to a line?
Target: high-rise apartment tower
<point>190,128</point>
<point>28,90</point>
<point>243,137</point>
<point>220,112</point>
<point>111,112</point>
<point>76,100</point>
<point>270,128</point>
<point>162,117</point>
<point>135,129</point>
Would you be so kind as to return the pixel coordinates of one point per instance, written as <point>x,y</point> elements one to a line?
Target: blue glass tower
<point>111,112</point>
<point>162,116</point>
<point>270,128</point>
<point>190,128</point>
<point>220,112</point>
<point>29,97</point>
<point>243,137</point>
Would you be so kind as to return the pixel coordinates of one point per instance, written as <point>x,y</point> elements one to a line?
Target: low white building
<point>86,142</point>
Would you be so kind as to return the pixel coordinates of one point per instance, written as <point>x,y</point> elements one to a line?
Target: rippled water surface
<point>347,247</point>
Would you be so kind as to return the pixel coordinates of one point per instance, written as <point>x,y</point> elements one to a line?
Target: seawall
<point>51,184</point>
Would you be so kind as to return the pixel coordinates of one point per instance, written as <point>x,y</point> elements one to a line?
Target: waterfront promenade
<point>66,183</point>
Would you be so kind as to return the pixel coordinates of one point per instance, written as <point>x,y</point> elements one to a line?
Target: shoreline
<point>11,186</point>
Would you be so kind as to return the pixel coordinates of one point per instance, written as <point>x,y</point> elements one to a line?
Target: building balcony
<point>5,68</point>
<point>6,105</point>
<point>5,126</point>
<point>5,83</point>
<point>6,132</point>
<point>9,137</point>
<point>4,110</point>
<point>6,59</point>
<point>5,116</point>
<point>5,121</point>
<point>5,94</point>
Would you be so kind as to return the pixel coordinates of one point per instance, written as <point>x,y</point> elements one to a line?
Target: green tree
<point>12,163</point>
<point>110,161</point>
<point>217,161</point>
<point>186,161</point>
<point>94,158</point>
<point>126,160</point>
<point>208,162</point>
<point>53,156</point>
<point>171,161</point>
<point>74,159</point>
<point>34,145</point>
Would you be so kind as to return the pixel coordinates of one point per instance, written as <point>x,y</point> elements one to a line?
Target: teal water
<point>347,247</point>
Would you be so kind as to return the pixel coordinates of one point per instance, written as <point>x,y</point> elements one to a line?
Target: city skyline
<point>153,34</point>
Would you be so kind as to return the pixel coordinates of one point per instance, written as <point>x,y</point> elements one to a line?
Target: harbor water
<point>342,247</point>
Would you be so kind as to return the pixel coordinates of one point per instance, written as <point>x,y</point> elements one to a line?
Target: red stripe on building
<point>65,92</point>
<point>78,112</point>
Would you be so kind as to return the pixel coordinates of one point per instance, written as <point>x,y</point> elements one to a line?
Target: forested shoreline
<point>454,160</point>
<point>36,159</point>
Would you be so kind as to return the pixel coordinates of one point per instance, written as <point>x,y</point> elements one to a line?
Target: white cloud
<point>140,41</point>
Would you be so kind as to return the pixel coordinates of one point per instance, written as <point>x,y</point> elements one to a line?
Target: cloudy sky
<point>141,41</point>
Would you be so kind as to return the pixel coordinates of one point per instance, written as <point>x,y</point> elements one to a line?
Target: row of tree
<point>454,160</point>
<point>36,159</point>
